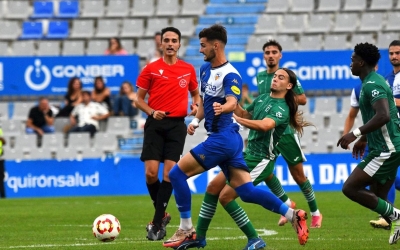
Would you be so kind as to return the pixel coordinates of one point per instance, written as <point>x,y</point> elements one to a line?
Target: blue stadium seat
<point>42,9</point>
<point>32,30</point>
<point>58,30</point>
<point>68,9</point>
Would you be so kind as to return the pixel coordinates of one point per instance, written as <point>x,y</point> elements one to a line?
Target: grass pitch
<point>65,223</point>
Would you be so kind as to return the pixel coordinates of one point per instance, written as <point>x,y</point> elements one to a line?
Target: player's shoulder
<point>262,73</point>
<point>228,69</point>
<point>205,67</point>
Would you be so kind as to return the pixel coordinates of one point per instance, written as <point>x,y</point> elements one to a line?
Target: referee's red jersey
<point>168,85</point>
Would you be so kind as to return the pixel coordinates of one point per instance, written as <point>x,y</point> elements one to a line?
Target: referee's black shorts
<point>163,139</point>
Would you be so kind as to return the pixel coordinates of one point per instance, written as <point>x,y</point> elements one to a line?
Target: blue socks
<point>392,193</point>
<point>182,192</point>
<point>248,193</point>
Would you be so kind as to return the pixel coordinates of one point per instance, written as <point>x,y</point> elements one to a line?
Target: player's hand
<point>237,118</point>
<point>217,108</point>
<point>346,140</point>
<point>159,115</point>
<point>193,108</point>
<point>192,126</point>
<point>359,149</point>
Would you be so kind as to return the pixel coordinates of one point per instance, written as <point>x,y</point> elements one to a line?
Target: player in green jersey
<point>289,145</point>
<point>267,117</point>
<point>381,131</point>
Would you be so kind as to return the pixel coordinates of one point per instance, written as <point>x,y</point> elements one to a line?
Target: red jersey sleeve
<point>144,79</point>
<point>193,80</point>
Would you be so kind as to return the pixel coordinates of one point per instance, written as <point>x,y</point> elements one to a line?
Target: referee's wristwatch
<point>152,112</point>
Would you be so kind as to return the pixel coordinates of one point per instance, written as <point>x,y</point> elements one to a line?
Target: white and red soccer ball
<point>106,227</point>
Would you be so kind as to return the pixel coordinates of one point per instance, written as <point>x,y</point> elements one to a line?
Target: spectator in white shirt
<point>85,116</point>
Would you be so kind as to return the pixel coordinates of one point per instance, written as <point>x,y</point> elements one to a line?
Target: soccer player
<point>380,132</point>
<point>289,145</point>
<point>221,89</point>
<point>167,81</point>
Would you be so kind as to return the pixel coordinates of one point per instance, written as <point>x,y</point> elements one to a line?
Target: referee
<point>2,170</point>
<point>167,81</point>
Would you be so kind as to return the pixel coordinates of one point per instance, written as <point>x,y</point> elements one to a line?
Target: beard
<point>395,64</point>
<point>210,56</point>
<point>273,90</point>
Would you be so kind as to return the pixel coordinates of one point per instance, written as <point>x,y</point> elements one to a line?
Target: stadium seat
<point>53,141</point>
<point>319,23</point>
<point>79,141</point>
<point>58,30</point>
<point>91,153</point>
<point>128,45</point>
<point>346,22</point>
<point>302,6</point>
<point>310,42</point>
<point>132,27</point>
<point>292,23</point>
<point>345,105</point>
<point>68,9</point>
<point>381,5</point>
<point>167,8</point>
<point>18,9</point>
<point>73,48</point>
<point>393,23</point>
<point>143,8</point>
<point>255,43</point>
<point>328,6</point>
<point>60,123</point>
<point>23,48</point>
<point>9,30</point>
<point>144,46</point>
<point>65,154</point>
<point>326,105</point>
<point>277,6</point>
<point>118,8</point>
<point>155,24</point>
<point>26,142</point>
<point>118,126</point>
<point>272,20</point>
<point>92,8</point>
<point>42,9</point>
<point>21,110</point>
<point>82,28</point>
<point>105,141</point>
<point>193,7</point>
<point>384,39</point>
<point>107,28</point>
<point>184,24</point>
<point>12,127</point>
<point>371,21</point>
<point>355,5</point>
<point>32,30</point>
<point>96,47</point>
<point>48,48</point>
<point>335,42</point>
<point>287,42</point>
<point>362,38</point>
<point>4,108</point>
<point>14,154</point>
<point>4,51</point>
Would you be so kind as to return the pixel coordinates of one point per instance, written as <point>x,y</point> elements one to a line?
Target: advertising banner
<point>91,177</point>
<point>316,70</point>
<point>50,75</point>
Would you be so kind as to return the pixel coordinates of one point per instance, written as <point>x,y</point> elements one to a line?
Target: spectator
<point>124,104</point>
<point>88,114</point>
<point>40,119</point>
<point>115,47</point>
<point>72,98</point>
<point>156,52</point>
<point>101,93</point>
<point>2,170</point>
<point>246,99</point>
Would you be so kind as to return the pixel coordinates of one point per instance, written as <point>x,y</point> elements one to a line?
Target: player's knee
<point>151,175</point>
<point>347,190</point>
<point>176,174</point>
<point>246,194</point>
<point>224,200</point>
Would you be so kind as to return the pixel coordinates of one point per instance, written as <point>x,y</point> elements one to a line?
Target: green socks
<point>308,192</point>
<point>240,217</point>
<point>207,211</point>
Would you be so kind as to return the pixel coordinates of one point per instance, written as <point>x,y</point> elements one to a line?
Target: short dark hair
<point>272,42</point>
<point>158,33</point>
<point>394,43</point>
<point>368,52</point>
<point>215,32</point>
<point>172,29</point>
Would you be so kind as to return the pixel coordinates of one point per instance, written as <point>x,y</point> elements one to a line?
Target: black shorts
<point>163,139</point>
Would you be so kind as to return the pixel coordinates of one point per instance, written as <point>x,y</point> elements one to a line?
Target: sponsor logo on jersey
<point>183,83</point>
<point>278,114</point>
<point>218,75</point>
<point>375,93</point>
<point>235,90</point>
<point>210,87</point>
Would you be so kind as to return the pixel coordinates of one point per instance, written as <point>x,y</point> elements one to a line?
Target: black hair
<point>394,43</point>
<point>215,32</point>
<point>272,42</point>
<point>172,29</point>
<point>368,52</point>
<point>158,33</point>
<point>296,117</point>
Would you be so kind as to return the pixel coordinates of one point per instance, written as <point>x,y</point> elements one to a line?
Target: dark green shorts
<point>259,169</point>
<point>289,147</point>
<point>381,166</point>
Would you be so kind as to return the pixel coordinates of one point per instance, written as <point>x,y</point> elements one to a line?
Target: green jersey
<point>264,81</point>
<point>387,138</point>
<point>262,144</point>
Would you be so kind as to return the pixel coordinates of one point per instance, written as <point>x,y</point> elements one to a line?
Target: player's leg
<point>365,174</point>
<point>377,189</point>
<point>289,147</point>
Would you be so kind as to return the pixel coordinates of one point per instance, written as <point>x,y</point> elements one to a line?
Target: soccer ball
<point>106,227</point>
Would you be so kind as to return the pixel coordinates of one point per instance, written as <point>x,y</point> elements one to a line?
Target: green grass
<point>65,223</point>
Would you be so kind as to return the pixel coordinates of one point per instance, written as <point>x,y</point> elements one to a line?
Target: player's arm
<point>301,99</point>
<point>241,112</point>
<point>229,106</point>
<point>140,103</point>
<point>397,102</point>
<point>381,117</point>
<point>349,122</point>
<point>195,101</point>
<point>263,125</point>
